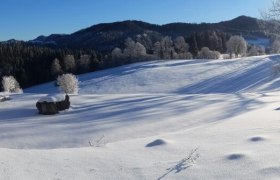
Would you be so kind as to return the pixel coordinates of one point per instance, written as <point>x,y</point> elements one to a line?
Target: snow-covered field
<point>191,119</point>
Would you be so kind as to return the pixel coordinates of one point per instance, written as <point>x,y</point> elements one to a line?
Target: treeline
<point>32,65</point>
<point>214,40</point>
<point>204,45</point>
<point>175,46</point>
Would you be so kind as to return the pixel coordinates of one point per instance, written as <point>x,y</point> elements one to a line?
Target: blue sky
<point>27,19</point>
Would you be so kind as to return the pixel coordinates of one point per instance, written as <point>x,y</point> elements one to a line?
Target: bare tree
<point>68,83</point>
<point>270,19</point>
<point>272,13</point>
<point>10,84</point>
<point>237,46</point>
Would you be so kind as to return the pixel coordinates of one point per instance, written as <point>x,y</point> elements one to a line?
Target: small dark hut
<point>52,104</point>
<point>4,98</point>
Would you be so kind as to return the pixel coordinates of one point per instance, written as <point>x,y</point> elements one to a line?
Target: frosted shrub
<point>236,45</point>
<point>206,53</point>
<point>68,83</point>
<point>11,85</point>
<point>215,55</point>
<point>225,56</point>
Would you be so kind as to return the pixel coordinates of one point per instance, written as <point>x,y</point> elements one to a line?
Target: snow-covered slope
<point>252,74</point>
<point>141,121</point>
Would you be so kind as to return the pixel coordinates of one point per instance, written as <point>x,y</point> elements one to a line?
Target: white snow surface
<point>253,74</point>
<point>142,121</point>
<point>52,98</point>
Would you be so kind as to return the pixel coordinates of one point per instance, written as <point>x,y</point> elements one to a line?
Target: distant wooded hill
<point>104,37</point>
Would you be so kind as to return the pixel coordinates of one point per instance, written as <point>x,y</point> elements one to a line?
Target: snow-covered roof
<point>4,98</point>
<point>53,98</point>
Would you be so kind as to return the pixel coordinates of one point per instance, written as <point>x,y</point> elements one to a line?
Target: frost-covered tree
<point>180,45</point>
<point>275,46</point>
<point>188,55</point>
<point>216,55</point>
<point>68,83</point>
<point>164,49</point>
<point>117,53</point>
<point>157,51</point>
<point>237,46</point>
<point>139,49</point>
<point>167,47</point>
<point>69,63</point>
<point>181,48</point>
<point>203,53</point>
<point>11,85</point>
<point>133,50</point>
<point>256,51</point>
<point>206,53</point>
<point>83,63</point>
<point>55,68</point>
<point>129,48</point>
<point>145,40</point>
<point>118,57</point>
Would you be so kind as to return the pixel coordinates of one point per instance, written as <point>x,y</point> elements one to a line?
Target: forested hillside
<point>112,44</point>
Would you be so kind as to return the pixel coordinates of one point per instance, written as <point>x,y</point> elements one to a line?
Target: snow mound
<point>236,156</point>
<point>158,142</point>
<point>256,139</point>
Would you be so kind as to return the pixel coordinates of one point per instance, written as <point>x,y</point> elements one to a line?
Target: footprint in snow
<point>233,157</point>
<point>256,139</point>
<point>273,170</point>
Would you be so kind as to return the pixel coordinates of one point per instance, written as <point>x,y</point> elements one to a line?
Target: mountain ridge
<point>104,37</point>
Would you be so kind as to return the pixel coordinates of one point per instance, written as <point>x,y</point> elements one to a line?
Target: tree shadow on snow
<point>231,82</point>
